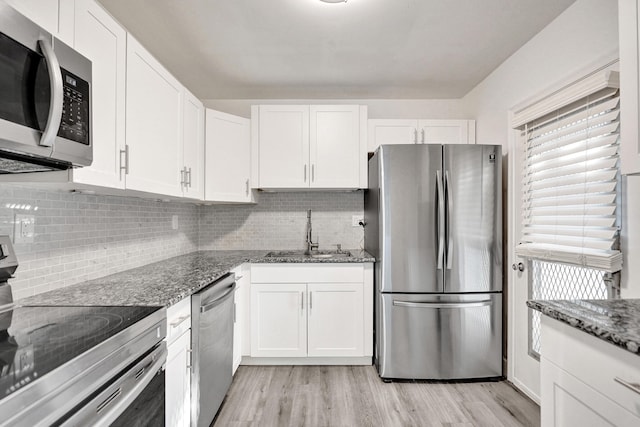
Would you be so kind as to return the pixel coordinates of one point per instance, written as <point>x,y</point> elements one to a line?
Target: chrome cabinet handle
<point>189,177</point>
<point>235,309</point>
<point>469,304</point>
<point>415,136</point>
<point>440,219</point>
<point>57,95</point>
<point>189,358</point>
<point>125,168</point>
<point>313,173</point>
<point>246,186</point>
<point>449,196</point>
<point>519,266</point>
<point>310,300</point>
<point>631,386</point>
<point>179,321</point>
<point>422,132</point>
<point>305,173</point>
<point>182,177</point>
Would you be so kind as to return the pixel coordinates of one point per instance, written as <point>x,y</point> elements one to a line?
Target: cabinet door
<point>446,131</point>
<point>101,39</point>
<point>391,132</point>
<point>278,320</point>
<point>567,401</point>
<point>228,158</point>
<point>629,17</point>
<point>336,319</point>
<point>283,153</point>
<point>178,382</point>
<point>55,16</point>
<point>193,147</point>
<point>335,146</point>
<point>237,327</point>
<point>153,125</point>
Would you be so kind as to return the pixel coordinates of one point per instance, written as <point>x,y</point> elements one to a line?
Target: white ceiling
<point>301,49</point>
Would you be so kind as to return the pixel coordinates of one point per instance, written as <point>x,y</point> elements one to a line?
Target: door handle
<point>631,386</point>
<point>519,266</point>
<point>57,95</point>
<point>440,219</point>
<point>449,197</point>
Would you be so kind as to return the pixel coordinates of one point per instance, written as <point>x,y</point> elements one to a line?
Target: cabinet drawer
<point>307,273</point>
<point>178,319</point>
<point>595,362</point>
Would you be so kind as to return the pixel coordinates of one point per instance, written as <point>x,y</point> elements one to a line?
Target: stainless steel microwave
<point>45,99</point>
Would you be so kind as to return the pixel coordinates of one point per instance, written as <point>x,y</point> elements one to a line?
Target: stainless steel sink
<point>315,254</point>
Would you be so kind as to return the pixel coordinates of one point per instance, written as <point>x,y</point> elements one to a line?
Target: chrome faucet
<point>310,245</point>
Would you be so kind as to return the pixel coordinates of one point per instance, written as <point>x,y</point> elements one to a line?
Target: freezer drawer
<point>439,336</point>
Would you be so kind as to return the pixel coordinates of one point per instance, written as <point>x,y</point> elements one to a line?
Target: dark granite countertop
<point>164,283</point>
<point>616,321</point>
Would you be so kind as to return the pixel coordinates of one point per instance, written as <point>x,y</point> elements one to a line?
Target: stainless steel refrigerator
<point>433,216</point>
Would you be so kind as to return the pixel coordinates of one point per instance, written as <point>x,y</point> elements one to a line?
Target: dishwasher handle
<point>219,300</point>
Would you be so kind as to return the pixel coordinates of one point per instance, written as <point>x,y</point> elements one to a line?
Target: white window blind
<point>570,184</point>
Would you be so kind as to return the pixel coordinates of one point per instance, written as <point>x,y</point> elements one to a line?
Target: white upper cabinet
<point>154,124</point>
<point>101,39</point>
<point>302,146</point>
<point>391,131</point>
<point>629,17</point>
<point>55,16</point>
<point>334,148</point>
<point>228,158</point>
<point>192,178</point>
<point>283,146</point>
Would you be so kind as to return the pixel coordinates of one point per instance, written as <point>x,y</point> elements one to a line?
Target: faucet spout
<point>309,241</point>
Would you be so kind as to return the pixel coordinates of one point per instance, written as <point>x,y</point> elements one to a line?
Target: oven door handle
<point>57,95</point>
<point>107,406</point>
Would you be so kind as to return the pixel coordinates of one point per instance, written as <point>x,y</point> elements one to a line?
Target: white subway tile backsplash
<point>278,221</point>
<point>79,237</point>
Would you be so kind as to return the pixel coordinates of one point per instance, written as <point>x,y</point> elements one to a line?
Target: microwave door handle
<point>57,95</point>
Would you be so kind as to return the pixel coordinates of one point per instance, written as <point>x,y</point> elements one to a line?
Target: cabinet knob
<point>519,266</point>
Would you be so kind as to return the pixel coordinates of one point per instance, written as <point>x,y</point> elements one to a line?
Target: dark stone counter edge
<point>591,329</point>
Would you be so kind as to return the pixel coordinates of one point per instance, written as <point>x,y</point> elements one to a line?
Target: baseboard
<point>265,361</point>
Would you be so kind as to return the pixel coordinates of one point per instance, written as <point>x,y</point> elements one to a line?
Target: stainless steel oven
<point>45,99</point>
<point>81,366</point>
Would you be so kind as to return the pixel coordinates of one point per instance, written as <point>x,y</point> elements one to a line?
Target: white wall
<point>378,108</point>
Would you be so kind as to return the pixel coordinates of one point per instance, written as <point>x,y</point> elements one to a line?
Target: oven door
<point>134,398</point>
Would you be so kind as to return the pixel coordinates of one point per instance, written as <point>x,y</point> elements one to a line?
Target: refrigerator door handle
<point>449,197</point>
<point>482,303</point>
<point>440,219</point>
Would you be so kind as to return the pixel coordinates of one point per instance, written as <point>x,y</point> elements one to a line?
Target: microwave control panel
<point>75,109</point>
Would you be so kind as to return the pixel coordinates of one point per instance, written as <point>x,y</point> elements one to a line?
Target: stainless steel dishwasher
<point>212,313</point>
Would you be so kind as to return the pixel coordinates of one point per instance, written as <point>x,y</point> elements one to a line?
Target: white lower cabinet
<point>335,319</point>
<point>178,366</point>
<point>240,304</point>
<point>311,311</point>
<point>178,382</point>
<point>581,379</point>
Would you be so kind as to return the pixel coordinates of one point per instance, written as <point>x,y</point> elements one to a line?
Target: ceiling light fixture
<point>334,1</point>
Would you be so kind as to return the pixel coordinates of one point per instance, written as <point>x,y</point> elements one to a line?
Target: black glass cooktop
<point>37,340</point>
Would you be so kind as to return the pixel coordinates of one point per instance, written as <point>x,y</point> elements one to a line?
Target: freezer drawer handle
<point>218,300</point>
<point>482,303</point>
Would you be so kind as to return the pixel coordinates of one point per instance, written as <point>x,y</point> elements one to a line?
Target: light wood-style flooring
<point>355,396</point>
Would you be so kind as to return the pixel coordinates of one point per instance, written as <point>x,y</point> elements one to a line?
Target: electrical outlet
<point>174,222</point>
<point>24,228</point>
<point>356,220</point>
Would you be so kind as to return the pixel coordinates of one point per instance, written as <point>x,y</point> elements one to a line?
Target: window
<point>570,194</point>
